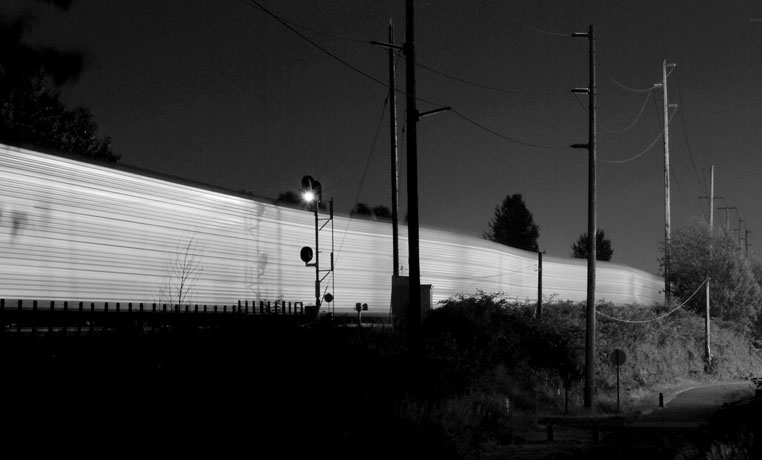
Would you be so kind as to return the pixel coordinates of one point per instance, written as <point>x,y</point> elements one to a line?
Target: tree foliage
<point>31,113</point>
<point>513,225</point>
<point>362,209</point>
<point>603,250</point>
<point>695,254</point>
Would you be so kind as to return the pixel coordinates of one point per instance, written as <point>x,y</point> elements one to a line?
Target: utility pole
<point>707,329</point>
<point>394,159</point>
<point>414,278</point>
<point>746,241</point>
<point>413,316</point>
<point>667,105</point>
<point>539,285</point>
<point>739,231</point>
<point>727,217</point>
<point>591,224</point>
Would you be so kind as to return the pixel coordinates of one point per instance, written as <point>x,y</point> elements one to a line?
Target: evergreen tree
<point>603,250</point>
<point>513,225</point>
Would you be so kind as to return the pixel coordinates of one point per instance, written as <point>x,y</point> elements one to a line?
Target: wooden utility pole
<point>414,278</point>
<point>740,221</point>
<point>394,159</point>
<point>667,294</point>
<point>591,224</point>
<point>727,217</point>
<point>707,329</point>
<point>539,285</point>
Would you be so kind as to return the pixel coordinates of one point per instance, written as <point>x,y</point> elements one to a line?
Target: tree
<point>183,271</point>
<point>31,113</point>
<point>382,211</point>
<point>697,253</point>
<point>603,250</point>
<point>513,225</point>
<point>362,209</point>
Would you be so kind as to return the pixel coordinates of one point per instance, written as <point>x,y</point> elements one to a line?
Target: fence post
<point>79,319</point>
<point>34,316</point>
<point>18,322</point>
<point>92,317</point>
<point>50,317</point>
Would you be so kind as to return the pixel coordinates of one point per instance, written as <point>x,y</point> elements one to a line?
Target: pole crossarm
<point>387,45</point>
<point>432,112</point>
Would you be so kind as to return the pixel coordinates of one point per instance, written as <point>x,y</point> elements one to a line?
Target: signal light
<point>328,297</point>
<point>311,190</point>
<point>306,254</point>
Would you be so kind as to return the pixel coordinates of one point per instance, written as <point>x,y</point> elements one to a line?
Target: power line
<point>619,131</point>
<point>644,151</point>
<point>479,85</point>
<point>637,117</point>
<point>502,136</point>
<point>302,26</point>
<point>384,84</point>
<point>702,181</point>
<point>515,21</point>
<point>310,41</point>
<point>634,90</point>
<point>364,173</point>
<point>658,317</point>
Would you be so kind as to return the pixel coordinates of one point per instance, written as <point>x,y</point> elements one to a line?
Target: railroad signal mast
<point>312,194</point>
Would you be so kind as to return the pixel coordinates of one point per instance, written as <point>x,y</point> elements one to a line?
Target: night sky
<point>223,93</point>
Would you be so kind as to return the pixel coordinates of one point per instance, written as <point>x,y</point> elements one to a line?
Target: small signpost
<point>617,358</point>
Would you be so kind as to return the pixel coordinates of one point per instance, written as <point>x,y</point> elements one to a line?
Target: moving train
<point>78,231</point>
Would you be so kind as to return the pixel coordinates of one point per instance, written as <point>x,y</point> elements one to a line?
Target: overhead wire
<point>637,117</point>
<point>629,126</point>
<point>286,24</point>
<point>515,21</point>
<point>256,5</point>
<point>365,172</point>
<point>503,136</point>
<point>658,317</point>
<point>661,134</point>
<point>302,26</point>
<point>701,209</point>
<point>634,90</point>
<point>480,85</point>
<point>700,178</point>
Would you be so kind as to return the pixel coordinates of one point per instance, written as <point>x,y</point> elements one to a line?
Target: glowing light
<point>308,196</point>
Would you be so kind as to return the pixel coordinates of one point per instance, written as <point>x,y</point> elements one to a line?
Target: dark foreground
<point>217,395</point>
<point>297,392</point>
<point>715,422</point>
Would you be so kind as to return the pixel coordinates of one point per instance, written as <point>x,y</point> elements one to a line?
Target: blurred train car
<point>76,231</point>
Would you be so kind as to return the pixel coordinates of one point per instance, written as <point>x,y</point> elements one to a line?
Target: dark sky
<point>222,93</point>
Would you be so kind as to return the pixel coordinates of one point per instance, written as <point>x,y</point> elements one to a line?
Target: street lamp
<point>312,194</point>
